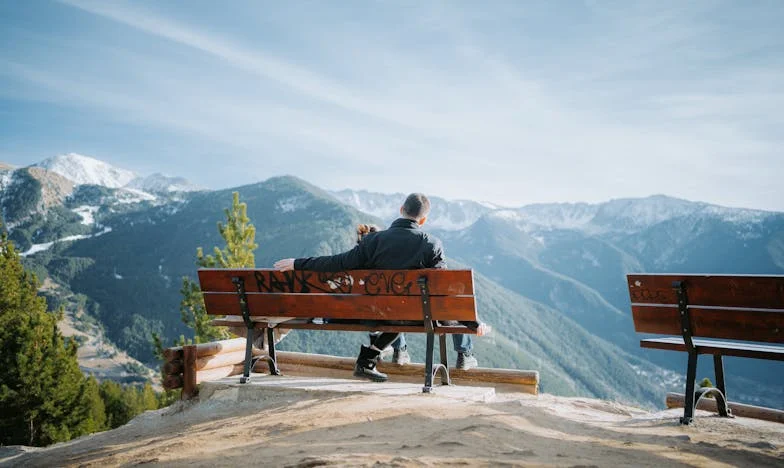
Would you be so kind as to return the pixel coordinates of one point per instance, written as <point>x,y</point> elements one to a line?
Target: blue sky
<point>511,102</point>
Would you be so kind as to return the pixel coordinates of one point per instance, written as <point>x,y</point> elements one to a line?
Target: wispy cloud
<point>513,103</point>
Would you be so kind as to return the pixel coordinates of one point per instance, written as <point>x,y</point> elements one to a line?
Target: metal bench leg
<point>445,380</point>
<point>718,367</point>
<point>248,357</point>
<point>429,363</point>
<point>691,376</point>
<point>272,359</point>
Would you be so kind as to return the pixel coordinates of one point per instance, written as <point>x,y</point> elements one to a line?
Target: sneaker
<point>401,357</point>
<point>466,361</point>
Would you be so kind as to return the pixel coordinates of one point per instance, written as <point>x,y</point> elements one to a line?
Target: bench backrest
<point>356,294</point>
<point>747,308</point>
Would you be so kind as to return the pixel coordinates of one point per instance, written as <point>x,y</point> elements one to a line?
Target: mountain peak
<point>5,167</point>
<point>82,170</point>
<point>161,183</point>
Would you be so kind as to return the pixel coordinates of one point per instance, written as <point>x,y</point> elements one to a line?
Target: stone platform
<point>260,383</point>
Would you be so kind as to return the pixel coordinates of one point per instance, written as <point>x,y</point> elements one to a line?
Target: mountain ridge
<point>113,243</point>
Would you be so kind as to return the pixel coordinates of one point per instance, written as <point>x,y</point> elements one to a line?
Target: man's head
<point>416,207</point>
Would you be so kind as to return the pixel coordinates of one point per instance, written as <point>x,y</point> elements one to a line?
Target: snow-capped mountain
<point>627,215</point>
<point>86,170</point>
<point>159,183</point>
<point>449,215</point>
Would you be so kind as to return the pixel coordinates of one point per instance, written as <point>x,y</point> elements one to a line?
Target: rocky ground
<point>317,428</point>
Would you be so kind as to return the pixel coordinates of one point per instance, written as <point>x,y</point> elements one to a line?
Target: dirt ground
<point>306,429</point>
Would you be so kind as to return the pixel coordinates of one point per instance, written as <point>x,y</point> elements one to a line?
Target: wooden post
<point>189,389</point>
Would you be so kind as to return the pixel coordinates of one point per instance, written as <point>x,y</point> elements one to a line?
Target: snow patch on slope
<point>35,248</point>
<point>87,213</point>
<point>86,170</point>
<point>159,183</point>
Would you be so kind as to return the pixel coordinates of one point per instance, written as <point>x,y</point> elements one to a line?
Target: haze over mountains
<point>550,276</point>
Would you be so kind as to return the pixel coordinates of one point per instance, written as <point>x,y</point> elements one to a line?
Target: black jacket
<point>404,246</point>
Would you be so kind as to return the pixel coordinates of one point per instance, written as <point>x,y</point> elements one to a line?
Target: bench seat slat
<point>370,282</point>
<point>462,308</point>
<point>751,291</point>
<point>732,324</point>
<point>303,325</point>
<point>726,348</point>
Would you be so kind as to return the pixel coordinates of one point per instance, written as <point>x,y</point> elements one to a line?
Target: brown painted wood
<point>172,382</point>
<point>343,306</point>
<point>749,291</point>
<point>658,320</point>
<point>189,389</point>
<point>302,325</point>
<point>732,324</point>
<point>724,348</point>
<point>170,354</point>
<point>173,367</point>
<point>676,400</point>
<point>364,282</point>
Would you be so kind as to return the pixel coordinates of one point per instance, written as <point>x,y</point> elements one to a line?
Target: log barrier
<point>187,366</point>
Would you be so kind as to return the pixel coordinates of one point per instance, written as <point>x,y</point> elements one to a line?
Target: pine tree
<point>42,390</point>
<point>92,409</point>
<point>239,235</point>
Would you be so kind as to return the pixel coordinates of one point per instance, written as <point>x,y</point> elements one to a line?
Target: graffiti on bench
<point>373,284</point>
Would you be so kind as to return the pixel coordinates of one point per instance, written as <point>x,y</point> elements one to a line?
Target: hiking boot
<point>366,365</point>
<point>401,357</point>
<point>466,361</point>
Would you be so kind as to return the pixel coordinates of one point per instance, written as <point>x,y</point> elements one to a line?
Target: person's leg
<point>464,345</point>
<point>400,342</point>
<point>385,339</point>
<point>365,366</point>
<point>400,351</point>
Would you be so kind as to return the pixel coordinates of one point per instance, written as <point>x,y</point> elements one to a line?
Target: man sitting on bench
<point>404,246</point>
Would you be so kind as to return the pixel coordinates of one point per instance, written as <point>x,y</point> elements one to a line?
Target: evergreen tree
<point>42,390</point>
<point>118,411</point>
<point>239,235</point>
<point>148,400</point>
<point>92,409</point>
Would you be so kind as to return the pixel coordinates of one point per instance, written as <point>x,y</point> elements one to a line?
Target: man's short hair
<point>416,206</point>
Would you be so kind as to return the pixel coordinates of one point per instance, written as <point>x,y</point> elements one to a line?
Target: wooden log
<point>170,354</point>
<point>189,389</point>
<point>172,367</point>
<point>171,382</point>
<point>208,362</point>
<point>676,400</point>
<point>502,376</point>
<point>218,373</point>
<point>207,349</point>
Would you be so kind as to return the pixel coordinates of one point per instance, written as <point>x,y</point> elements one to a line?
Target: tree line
<point>44,396</point>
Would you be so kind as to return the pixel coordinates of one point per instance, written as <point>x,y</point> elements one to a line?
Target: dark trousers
<point>385,339</point>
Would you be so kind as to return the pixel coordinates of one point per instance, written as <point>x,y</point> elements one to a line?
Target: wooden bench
<point>410,301</point>
<point>703,310</point>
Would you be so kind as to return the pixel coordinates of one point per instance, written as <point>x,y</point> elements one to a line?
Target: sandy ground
<point>307,429</point>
